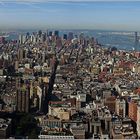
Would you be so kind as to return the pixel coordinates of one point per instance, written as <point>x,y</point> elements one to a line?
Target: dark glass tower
<point>136,42</point>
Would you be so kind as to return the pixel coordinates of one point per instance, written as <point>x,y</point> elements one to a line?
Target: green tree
<point>26,125</point>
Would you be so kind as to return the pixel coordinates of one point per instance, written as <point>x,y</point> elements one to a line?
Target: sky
<point>70,14</point>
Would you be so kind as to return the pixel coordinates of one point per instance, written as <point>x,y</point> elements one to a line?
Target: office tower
<point>39,33</point>
<point>25,53</point>
<point>136,37</point>
<point>22,97</point>
<point>50,33</point>
<point>24,39</point>
<point>136,41</point>
<point>56,33</point>
<point>20,39</point>
<point>32,38</point>
<point>31,89</point>
<point>70,36</point>
<point>45,97</point>
<point>58,42</point>
<point>81,36</point>
<point>2,40</point>
<point>39,93</point>
<point>65,36</point>
<point>20,54</point>
<point>44,37</point>
<point>27,35</point>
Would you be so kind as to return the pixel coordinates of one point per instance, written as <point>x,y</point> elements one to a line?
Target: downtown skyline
<point>81,14</point>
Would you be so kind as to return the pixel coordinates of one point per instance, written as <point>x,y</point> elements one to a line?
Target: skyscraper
<point>56,33</point>
<point>22,98</point>
<point>22,39</point>
<point>136,41</point>
<point>70,36</point>
<point>2,40</point>
<point>50,33</point>
<point>44,97</point>
<point>39,33</point>
<point>20,54</point>
<point>65,36</point>
<point>44,37</point>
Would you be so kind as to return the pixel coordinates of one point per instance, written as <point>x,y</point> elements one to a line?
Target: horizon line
<point>115,30</point>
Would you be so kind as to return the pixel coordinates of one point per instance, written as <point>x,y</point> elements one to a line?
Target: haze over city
<point>79,14</point>
<point>69,69</point>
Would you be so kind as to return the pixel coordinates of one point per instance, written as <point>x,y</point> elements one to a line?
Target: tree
<point>25,125</point>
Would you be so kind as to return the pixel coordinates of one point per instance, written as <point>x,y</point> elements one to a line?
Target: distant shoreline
<point>124,40</point>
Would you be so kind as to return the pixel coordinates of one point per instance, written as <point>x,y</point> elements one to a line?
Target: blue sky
<point>78,14</point>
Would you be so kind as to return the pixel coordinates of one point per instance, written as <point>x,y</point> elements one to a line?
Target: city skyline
<point>69,69</point>
<point>81,14</point>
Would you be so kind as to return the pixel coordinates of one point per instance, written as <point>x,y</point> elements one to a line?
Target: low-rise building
<point>5,128</point>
